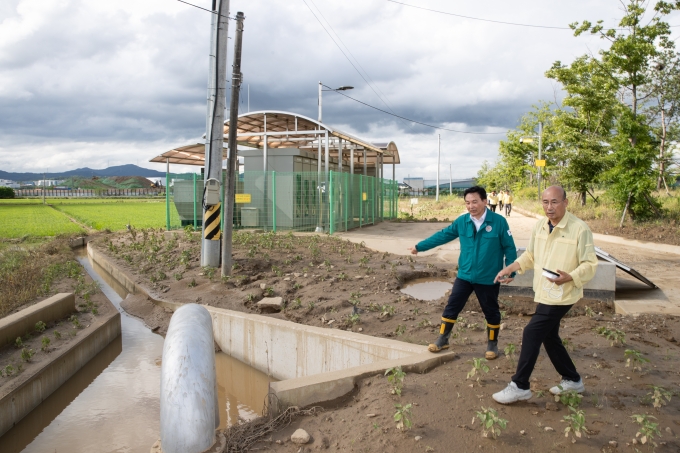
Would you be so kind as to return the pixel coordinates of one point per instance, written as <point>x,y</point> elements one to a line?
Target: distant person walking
<point>493,200</point>
<point>485,244</point>
<point>562,245</point>
<point>500,201</point>
<point>508,203</point>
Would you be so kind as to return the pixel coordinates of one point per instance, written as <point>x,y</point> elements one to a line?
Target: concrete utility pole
<point>540,151</point>
<point>217,81</point>
<point>439,155</point>
<point>232,163</point>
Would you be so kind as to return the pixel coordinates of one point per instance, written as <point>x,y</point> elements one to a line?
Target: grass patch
<point>116,215</point>
<point>33,220</point>
<point>448,208</point>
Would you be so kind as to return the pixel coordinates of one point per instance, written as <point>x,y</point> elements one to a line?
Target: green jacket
<point>483,253</point>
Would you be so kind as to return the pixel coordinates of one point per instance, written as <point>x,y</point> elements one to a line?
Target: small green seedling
<point>9,370</point>
<point>57,334</point>
<point>636,359</point>
<point>400,330</point>
<point>297,303</point>
<point>395,376</point>
<point>403,416</point>
<point>192,283</point>
<point>478,366</point>
<point>569,398</point>
<point>510,352</point>
<point>40,326</point>
<point>354,319</point>
<point>387,310</point>
<point>615,337</point>
<point>75,321</point>
<point>567,344</point>
<point>18,342</point>
<point>250,297</point>
<point>26,354</point>
<point>576,421</point>
<point>269,291</point>
<point>589,312</point>
<point>659,396</point>
<point>492,424</point>
<point>648,430</point>
<point>45,343</point>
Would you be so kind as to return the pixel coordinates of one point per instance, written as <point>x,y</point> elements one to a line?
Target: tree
<point>583,125</point>
<point>633,48</point>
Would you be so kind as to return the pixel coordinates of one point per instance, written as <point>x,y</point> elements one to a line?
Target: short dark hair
<point>475,189</point>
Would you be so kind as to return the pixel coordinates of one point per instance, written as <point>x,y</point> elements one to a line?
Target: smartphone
<point>550,274</point>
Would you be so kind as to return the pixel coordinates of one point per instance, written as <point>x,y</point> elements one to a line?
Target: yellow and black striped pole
<point>211,220</point>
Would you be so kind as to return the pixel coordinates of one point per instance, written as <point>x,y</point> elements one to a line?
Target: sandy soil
<point>320,277</point>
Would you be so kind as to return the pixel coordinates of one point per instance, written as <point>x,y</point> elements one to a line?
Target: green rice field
<point>33,220</point>
<point>29,217</point>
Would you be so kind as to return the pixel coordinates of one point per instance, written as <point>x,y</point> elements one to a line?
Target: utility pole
<point>450,180</point>
<point>217,81</point>
<point>540,146</point>
<point>232,162</point>
<point>43,187</point>
<point>439,155</point>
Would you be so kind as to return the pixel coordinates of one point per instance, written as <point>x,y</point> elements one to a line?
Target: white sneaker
<point>567,385</point>
<point>512,394</point>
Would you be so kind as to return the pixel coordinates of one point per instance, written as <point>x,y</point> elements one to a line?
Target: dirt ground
<point>321,279</point>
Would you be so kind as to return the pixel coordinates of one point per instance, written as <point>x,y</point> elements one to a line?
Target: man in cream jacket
<point>563,244</point>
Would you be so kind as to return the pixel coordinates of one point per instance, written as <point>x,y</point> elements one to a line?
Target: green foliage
<point>387,310</point>
<point>659,396</point>
<point>26,354</point>
<point>18,342</point>
<point>57,334</point>
<point>615,337</point>
<point>492,424</point>
<point>395,376</point>
<point>576,421</point>
<point>75,321</point>
<point>6,192</point>
<point>400,330</point>
<point>9,370</point>
<point>403,416</point>
<point>636,359</point>
<point>192,283</point>
<point>509,351</point>
<point>648,430</point>
<point>354,319</point>
<point>45,343</point>
<point>478,366</point>
<point>570,398</point>
<point>269,291</point>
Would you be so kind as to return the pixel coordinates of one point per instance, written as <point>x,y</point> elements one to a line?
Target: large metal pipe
<point>189,413</point>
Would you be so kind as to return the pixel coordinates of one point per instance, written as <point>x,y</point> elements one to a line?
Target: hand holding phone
<point>547,273</point>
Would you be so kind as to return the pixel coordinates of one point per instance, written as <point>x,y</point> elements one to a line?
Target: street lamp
<point>539,162</point>
<point>319,227</point>
<point>321,85</point>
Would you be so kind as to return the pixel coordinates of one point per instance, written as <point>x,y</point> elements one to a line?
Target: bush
<point>6,192</point>
<point>526,193</point>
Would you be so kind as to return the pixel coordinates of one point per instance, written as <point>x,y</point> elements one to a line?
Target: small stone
<point>551,407</point>
<point>613,443</point>
<point>548,429</point>
<point>635,441</point>
<point>417,438</point>
<point>287,279</point>
<point>296,274</point>
<point>300,437</point>
<point>263,285</point>
<point>669,430</point>
<point>270,303</point>
<point>503,326</point>
<point>358,277</point>
<point>156,447</point>
<point>361,329</point>
<point>331,322</point>
<point>534,413</point>
<point>305,275</point>
<point>370,415</point>
<point>595,354</point>
<point>522,433</point>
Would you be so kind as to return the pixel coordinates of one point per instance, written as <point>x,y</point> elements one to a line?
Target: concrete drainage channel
<point>313,364</point>
<point>112,403</point>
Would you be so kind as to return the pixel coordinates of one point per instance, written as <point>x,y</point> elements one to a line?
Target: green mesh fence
<point>291,201</point>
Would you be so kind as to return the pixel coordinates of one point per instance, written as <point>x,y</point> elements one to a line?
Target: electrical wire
<point>414,121</point>
<point>357,61</point>
<point>204,9</point>
<point>495,21</point>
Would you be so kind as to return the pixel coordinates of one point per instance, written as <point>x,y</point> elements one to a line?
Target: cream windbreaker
<point>569,248</point>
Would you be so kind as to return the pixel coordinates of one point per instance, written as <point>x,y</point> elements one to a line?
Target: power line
<point>414,121</point>
<point>355,59</point>
<point>204,9</point>
<point>495,21</point>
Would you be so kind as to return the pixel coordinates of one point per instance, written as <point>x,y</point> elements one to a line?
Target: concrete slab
<point>18,324</point>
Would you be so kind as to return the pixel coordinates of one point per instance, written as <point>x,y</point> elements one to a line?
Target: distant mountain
<point>118,170</point>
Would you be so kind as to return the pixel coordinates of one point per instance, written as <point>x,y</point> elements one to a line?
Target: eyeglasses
<point>552,202</point>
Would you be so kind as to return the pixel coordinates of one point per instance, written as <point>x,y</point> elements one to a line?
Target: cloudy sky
<point>92,83</point>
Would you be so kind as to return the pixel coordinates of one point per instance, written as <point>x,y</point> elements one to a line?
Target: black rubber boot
<point>492,343</point>
<point>442,341</point>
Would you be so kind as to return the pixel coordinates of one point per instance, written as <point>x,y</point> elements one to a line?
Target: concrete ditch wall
<point>19,324</point>
<point>26,396</point>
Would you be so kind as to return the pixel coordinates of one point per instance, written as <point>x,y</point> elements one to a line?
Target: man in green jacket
<point>486,243</point>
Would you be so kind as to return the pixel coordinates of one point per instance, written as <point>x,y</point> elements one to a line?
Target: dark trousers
<point>544,329</point>
<point>508,208</point>
<point>493,207</point>
<point>486,294</point>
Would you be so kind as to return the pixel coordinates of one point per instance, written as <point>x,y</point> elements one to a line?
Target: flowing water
<point>112,404</point>
<point>427,288</point>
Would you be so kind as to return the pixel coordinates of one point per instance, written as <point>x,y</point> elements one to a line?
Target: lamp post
<point>539,162</point>
<point>319,227</point>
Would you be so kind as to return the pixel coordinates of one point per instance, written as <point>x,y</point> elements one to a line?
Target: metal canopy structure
<point>629,270</point>
<point>270,130</point>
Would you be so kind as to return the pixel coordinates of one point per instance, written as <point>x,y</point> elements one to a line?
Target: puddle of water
<point>427,288</point>
<point>112,404</point>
